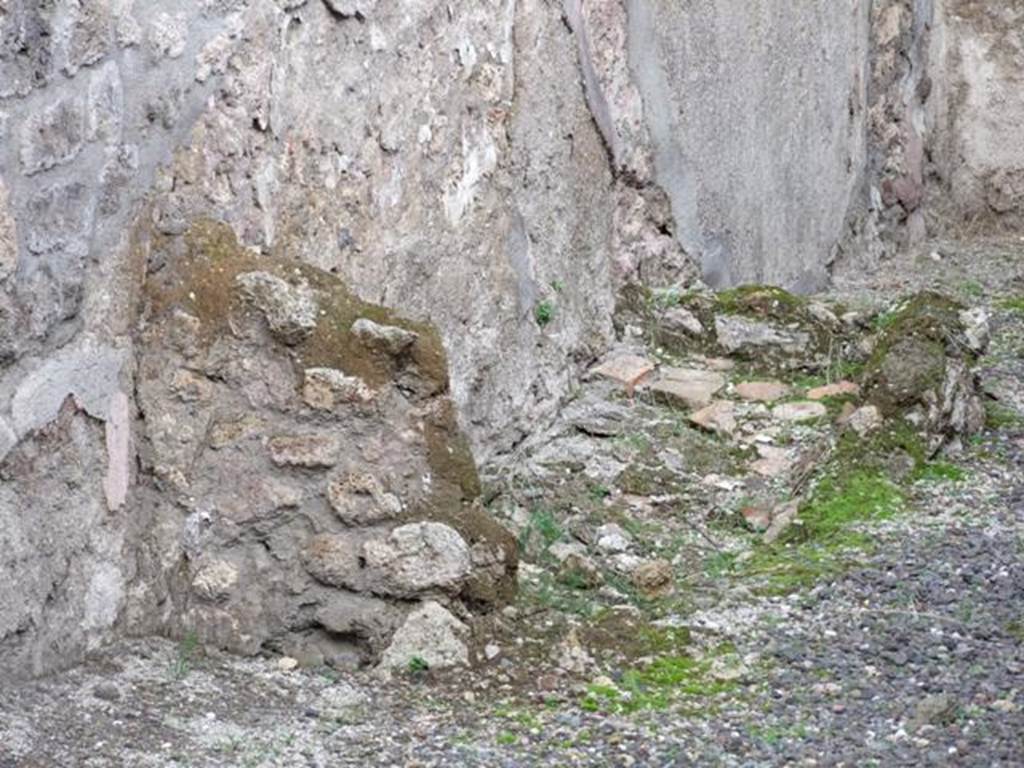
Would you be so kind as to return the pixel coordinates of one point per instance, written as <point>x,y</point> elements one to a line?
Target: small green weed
<point>418,665</point>
<point>544,313</point>
<point>542,526</point>
<point>182,664</point>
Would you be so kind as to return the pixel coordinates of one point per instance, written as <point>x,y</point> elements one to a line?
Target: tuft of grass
<point>998,416</point>
<point>182,664</point>
<point>1012,304</point>
<point>542,527</point>
<point>544,313</point>
<point>418,665</point>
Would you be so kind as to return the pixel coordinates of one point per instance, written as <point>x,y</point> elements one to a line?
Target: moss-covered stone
<point>764,326</point>
<point>910,354</point>
<point>203,282</point>
<point>201,278</point>
<point>921,368</point>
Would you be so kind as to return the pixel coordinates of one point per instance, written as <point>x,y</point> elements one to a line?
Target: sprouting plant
<point>544,313</point>
<point>182,663</point>
<point>418,665</point>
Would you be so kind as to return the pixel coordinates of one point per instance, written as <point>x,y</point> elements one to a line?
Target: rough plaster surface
<point>755,111</point>
<point>978,109</point>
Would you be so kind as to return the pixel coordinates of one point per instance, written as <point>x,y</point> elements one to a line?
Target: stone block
<point>53,136</point>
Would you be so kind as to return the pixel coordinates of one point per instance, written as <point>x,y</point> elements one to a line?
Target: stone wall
<point>441,161</point>
<point>978,111</point>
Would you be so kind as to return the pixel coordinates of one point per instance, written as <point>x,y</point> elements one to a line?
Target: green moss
<point>863,495</point>
<point>764,301</point>
<point>660,684</point>
<point>940,471</point>
<point>909,358</point>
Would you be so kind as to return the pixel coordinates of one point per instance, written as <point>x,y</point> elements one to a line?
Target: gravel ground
<point>912,656</point>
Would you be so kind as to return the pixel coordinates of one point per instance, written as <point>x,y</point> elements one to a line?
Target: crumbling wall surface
<point>439,159</point>
<point>977,145</point>
<point>93,96</point>
<point>314,485</point>
<point>900,94</point>
<point>756,114</point>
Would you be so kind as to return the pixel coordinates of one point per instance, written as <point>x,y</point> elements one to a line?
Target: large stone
<point>388,339</point>
<point>325,389</point>
<point>762,391</point>
<point>741,335</point>
<point>799,412</point>
<point>214,581</point>
<point>773,461</point>
<point>653,578</point>
<point>864,420</point>
<point>922,369</point>
<point>291,310</point>
<point>612,539</point>
<point>718,417</point>
<point>838,389</point>
<point>627,370</point>
<point>687,387</point>
<point>359,499</point>
<point>432,635</point>
<point>681,320</point>
<point>419,557</point>
<point>335,560</point>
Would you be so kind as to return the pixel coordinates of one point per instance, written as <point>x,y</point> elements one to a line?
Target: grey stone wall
<point>756,114</point>
<point>441,160</point>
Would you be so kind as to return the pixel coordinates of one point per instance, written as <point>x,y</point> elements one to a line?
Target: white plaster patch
<point>104,598</point>
<point>89,370</point>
